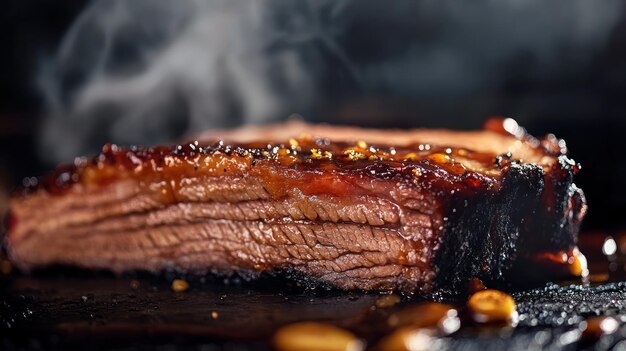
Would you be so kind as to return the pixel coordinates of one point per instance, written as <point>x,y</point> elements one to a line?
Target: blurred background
<point>77,74</point>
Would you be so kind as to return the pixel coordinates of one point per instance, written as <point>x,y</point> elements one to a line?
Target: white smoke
<point>149,71</point>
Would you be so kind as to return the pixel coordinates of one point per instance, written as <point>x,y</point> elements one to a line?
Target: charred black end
<point>566,207</point>
<point>531,212</point>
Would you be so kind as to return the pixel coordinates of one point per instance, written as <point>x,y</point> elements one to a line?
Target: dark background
<point>580,100</point>
<point>28,31</point>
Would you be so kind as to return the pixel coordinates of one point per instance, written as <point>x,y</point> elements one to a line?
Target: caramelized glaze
<point>314,160</point>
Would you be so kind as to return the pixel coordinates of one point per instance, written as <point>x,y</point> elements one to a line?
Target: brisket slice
<point>359,209</point>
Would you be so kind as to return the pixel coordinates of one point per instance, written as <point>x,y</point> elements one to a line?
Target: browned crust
<point>407,185</point>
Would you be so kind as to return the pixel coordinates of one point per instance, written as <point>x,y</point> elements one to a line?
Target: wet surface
<point>63,309</point>
<point>77,310</point>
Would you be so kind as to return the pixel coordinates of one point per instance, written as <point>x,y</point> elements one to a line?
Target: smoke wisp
<point>150,71</point>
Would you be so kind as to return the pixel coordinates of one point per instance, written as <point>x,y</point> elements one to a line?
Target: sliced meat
<point>359,209</point>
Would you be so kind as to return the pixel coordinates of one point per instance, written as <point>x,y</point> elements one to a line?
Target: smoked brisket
<point>355,208</point>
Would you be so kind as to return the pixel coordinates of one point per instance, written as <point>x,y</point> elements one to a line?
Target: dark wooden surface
<point>102,312</point>
<point>63,308</point>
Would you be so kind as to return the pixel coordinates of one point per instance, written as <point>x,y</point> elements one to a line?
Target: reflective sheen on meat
<point>355,208</point>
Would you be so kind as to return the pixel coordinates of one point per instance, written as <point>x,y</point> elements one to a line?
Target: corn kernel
<point>427,315</point>
<point>311,336</point>
<point>491,305</point>
<point>408,339</point>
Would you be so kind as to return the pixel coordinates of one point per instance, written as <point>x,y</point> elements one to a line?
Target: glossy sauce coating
<point>308,160</point>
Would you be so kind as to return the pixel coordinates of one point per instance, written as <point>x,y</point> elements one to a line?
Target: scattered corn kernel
<point>180,285</point>
<point>361,144</point>
<point>427,315</point>
<point>492,306</point>
<point>311,336</point>
<point>408,339</point>
<point>214,315</point>
<point>387,301</point>
<point>293,143</point>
